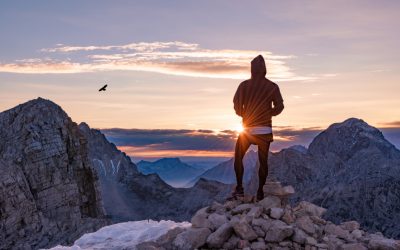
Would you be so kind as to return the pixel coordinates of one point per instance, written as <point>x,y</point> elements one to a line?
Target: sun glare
<point>239,128</point>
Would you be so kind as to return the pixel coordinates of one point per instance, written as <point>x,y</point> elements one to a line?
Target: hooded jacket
<point>258,99</point>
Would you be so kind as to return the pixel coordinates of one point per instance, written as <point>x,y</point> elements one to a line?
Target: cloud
<point>158,143</point>
<point>391,124</point>
<point>172,139</point>
<point>207,143</point>
<point>142,47</point>
<point>175,58</point>
<point>44,66</point>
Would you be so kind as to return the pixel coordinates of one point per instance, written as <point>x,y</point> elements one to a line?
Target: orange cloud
<point>175,58</point>
<point>143,152</point>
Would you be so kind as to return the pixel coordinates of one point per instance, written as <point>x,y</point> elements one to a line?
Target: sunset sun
<point>239,128</point>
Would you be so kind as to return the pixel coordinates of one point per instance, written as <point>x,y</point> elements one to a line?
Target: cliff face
<point>49,192</point>
<point>355,173</point>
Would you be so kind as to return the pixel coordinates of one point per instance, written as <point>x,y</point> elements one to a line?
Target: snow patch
<point>123,235</point>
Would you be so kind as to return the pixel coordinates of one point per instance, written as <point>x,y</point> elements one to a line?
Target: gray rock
<point>276,213</point>
<point>258,245</point>
<point>307,208</point>
<point>243,244</point>
<point>259,231</point>
<point>337,231</point>
<point>311,241</point>
<point>321,246</point>
<point>222,234</point>
<point>255,212</point>
<point>217,220</point>
<point>278,231</point>
<point>357,234</point>
<point>200,219</point>
<point>305,223</point>
<point>244,231</point>
<point>217,207</point>
<point>263,223</point>
<point>148,245</point>
<point>299,236</point>
<point>353,246</point>
<point>350,225</point>
<point>270,202</point>
<point>231,243</point>
<point>383,243</point>
<point>165,241</point>
<point>191,238</point>
<point>288,216</point>
<point>242,208</point>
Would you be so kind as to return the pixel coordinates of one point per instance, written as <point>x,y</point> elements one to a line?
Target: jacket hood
<point>258,67</point>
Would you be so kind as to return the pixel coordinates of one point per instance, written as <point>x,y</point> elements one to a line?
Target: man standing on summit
<point>256,101</point>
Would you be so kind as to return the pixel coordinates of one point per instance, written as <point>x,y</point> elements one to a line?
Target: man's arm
<point>238,101</point>
<point>277,101</point>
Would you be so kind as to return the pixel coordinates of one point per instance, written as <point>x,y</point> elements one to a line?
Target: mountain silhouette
<point>172,170</point>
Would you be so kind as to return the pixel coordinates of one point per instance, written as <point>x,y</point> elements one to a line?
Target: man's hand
<point>276,110</point>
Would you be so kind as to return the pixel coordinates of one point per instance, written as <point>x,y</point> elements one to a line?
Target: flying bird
<point>103,88</point>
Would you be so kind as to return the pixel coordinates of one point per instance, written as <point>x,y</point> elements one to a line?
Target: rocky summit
<point>48,190</point>
<point>268,224</point>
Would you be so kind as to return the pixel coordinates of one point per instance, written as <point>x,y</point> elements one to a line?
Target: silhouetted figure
<point>256,101</point>
<point>103,88</point>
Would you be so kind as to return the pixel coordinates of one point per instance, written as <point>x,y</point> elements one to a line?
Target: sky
<point>172,67</point>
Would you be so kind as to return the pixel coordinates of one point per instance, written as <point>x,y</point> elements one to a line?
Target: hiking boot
<point>260,195</point>
<point>238,193</point>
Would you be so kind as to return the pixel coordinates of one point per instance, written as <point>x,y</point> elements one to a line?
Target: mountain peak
<point>299,148</point>
<point>36,112</point>
<point>41,102</point>
<point>84,125</point>
<point>348,137</point>
<point>353,122</point>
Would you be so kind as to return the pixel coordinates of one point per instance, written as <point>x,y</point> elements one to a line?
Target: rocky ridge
<point>49,192</point>
<point>268,224</point>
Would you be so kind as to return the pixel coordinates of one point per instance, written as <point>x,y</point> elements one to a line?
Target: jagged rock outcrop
<point>268,224</point>
<point>355,173</point>
<point>48,190</point>
<point>131,195</point>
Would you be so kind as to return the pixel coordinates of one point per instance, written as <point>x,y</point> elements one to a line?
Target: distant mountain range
<point>224,172</point>
<point>172,170</point>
